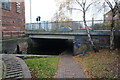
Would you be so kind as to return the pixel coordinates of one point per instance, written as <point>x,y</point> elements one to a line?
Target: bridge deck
<point>95,32</point>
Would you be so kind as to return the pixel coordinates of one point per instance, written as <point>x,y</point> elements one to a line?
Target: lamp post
<point>30,15</point>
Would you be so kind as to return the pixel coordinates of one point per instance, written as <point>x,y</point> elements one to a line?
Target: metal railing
<point>74,25</point>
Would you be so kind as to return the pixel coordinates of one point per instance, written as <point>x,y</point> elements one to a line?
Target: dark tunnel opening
<point>50,46</point>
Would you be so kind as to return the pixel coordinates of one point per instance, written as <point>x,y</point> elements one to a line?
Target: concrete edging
<point>25,69</point>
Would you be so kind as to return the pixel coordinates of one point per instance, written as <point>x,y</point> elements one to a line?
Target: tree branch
<point>79,3</point>
<point>89,6</point>
<point>109,4</point>
<point>76,9</point>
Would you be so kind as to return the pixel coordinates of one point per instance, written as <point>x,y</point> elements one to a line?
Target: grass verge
<point>42,67</point>
<point>104,64</point>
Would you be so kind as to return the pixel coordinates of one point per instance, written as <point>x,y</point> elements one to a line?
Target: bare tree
<point>55,17</point>
<point>84,7</point>
<point>114,10</point>
<point>62,9</point>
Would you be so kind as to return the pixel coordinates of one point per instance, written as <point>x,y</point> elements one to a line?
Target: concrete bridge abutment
<point>74,46</point>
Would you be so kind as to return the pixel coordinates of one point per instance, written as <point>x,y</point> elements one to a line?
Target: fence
<point>74,25</point>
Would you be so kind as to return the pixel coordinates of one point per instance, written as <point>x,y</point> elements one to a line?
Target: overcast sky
<point>47,8</point>
<point>43,8</point>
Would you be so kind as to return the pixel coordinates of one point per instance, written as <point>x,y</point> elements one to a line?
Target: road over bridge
<point>66,35</point>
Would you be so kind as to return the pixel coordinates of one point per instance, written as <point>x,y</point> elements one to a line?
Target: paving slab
<point>68,68</point>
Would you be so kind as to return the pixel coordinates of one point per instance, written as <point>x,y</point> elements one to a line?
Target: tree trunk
<point>88,33</point>
<point>112,33</point>
<point>112,39</point>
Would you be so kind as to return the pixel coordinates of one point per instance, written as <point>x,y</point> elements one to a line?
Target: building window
<point>18,7</point>
<point>6,5</point>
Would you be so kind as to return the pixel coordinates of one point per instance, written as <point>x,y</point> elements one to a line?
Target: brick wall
<point>108,16</point>
<point>13,23</point>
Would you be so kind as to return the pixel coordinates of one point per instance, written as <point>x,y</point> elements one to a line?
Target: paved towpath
<point>68,68</point>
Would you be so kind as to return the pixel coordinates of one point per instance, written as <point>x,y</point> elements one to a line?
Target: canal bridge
<point>66,35</point>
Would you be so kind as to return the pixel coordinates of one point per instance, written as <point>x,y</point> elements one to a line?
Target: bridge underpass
<point>66,41</point>
<point>72,30</point>
<point>49,46</point>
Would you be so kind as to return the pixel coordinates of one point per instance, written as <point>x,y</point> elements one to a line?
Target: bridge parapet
<point>68,33</point>
<point>96,27</point>
<point>74,25</point>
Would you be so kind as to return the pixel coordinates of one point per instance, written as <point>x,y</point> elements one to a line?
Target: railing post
<point>92,22</point>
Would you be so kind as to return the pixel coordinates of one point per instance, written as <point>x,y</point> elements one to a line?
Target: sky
<point>43,8</point>
<point>47,8</point>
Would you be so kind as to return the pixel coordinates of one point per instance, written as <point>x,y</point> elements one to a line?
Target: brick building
<point>108,16</point>
<point>13,19</point>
